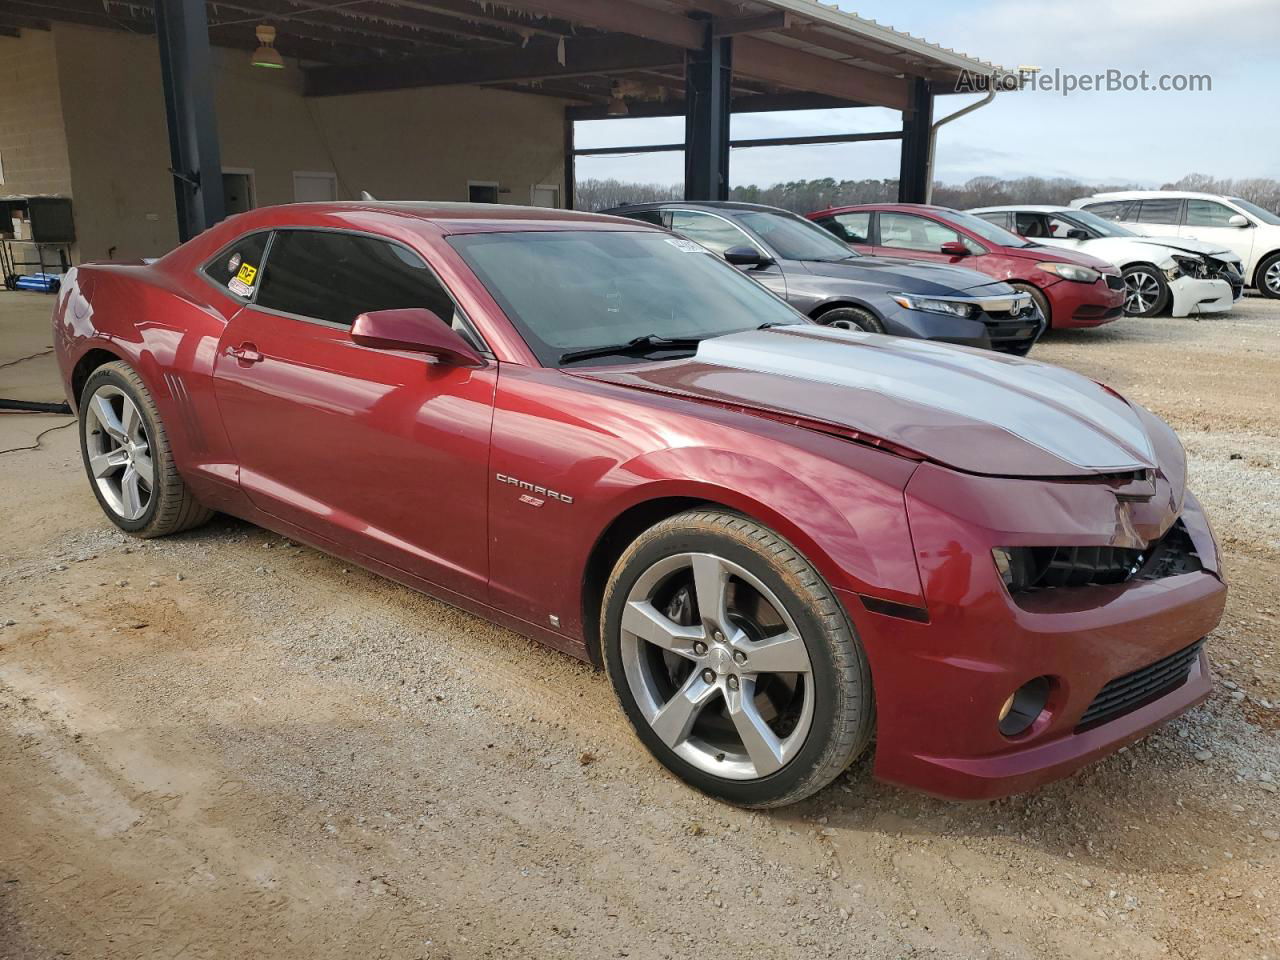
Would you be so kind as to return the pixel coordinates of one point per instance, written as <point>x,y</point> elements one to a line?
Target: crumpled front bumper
<point>1192,295</point>
<point>940,685</point>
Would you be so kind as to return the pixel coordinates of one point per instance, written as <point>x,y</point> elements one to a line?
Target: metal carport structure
<point>703,59</point>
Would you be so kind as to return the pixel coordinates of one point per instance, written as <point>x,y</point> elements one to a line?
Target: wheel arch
<point>1257,266</point>
<point>842,302</point>
<point>93,358</point>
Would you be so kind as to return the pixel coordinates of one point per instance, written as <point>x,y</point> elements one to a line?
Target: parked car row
<point>781,540</point>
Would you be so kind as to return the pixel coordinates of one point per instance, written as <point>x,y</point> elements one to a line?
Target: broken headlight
<point>1188,267</point>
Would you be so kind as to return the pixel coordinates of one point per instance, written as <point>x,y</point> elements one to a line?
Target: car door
<point>1155,216</point>
<point>381,451</point>
<point>1209,220</point>
<point>919,238</point>
<point>718,234</point>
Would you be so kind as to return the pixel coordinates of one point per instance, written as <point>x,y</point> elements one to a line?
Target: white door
<point>1208,220</point>
<point>545,195</point>
<point>311,187</point>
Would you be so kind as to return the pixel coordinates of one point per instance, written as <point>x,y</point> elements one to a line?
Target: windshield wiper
<point>648,342</point>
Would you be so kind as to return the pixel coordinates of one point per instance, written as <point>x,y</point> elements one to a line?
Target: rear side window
<point>999,218</point>
<point>647,216</point>
<point>1160,211</point>
<point>335,277</point>
<point>849,227</point>
<point>236,268</point>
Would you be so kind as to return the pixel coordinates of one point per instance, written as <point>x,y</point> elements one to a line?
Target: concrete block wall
<point>33,144</point>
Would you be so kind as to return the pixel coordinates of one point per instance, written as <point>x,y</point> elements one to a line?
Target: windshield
<point>574,290</point>
<point>986,230</point>
<point>794,238</point>
<point>1095,223</point>
<point>1262,213</point>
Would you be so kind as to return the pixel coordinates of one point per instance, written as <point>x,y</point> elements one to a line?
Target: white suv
<point>1184,276</point>
<point>1244,227</point>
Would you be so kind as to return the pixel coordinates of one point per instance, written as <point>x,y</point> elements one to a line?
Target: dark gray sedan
<point>827,281</point>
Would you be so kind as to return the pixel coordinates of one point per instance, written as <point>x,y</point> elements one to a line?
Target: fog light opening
<point>1023,706</point>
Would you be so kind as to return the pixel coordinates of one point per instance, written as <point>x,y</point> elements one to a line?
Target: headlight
<point>1071,271</point>
<point>1190,266</point>
<point>931,305</point>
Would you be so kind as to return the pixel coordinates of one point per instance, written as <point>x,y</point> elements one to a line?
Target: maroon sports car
<point>778,538</point>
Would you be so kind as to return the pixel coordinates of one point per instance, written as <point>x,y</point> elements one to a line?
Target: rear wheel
<point>852,318</point>
<point>734,661</point>
<point>127,456</point>
<point>1268,277</point>
<point>1146,292</point>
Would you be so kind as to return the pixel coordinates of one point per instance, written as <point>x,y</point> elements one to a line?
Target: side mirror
<point>746,257</point>
<point>1075,233</point>
<point>1238,220</point>
<point>954,248</point>
<point>415,329</point>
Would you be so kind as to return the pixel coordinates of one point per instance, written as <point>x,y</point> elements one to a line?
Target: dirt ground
<point>224,745</point>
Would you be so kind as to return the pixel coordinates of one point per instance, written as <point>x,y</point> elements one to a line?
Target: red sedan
<point>778,538</point>
<point>1072,289</point>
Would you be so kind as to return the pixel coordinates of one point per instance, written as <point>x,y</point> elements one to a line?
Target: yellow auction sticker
<point>247,272</point>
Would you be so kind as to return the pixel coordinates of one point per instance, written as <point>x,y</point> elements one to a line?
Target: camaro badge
<point>534,488</point>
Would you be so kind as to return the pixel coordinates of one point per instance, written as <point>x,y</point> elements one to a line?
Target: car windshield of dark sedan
<point>577,290</point>
<point>794,238</point>
<point>987,231</point>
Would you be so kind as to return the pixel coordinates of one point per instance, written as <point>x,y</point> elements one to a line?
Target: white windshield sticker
<point>688,246</point>
<point>239,287</point>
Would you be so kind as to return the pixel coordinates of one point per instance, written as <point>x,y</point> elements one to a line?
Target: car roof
<point>887,207</point>
<point>626,208</point>
<point>1023,207</point>
<point>1156,195</point>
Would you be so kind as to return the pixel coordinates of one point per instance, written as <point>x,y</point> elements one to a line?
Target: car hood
<point>1048,251</point>
<point>972,410</point>
<point>1190,246</point>
<point>906,276</point>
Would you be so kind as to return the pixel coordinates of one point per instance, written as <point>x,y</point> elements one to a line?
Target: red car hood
<point>1041,252</point>
<point>969,409</point>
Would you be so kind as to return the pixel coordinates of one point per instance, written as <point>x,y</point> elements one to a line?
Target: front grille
<point>1114,281</point>
<point>1133,690</point>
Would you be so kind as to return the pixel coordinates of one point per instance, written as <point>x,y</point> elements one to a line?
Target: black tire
<point>170,506</point>
<point>1146,291</point>
<point>1041,301</point>
<point>843,713</point>
<point>1267,277</point>
<point>852,318</point>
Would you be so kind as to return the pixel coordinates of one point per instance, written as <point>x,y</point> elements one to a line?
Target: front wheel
<point>852,318</point>
<point>128,459</point>
<point>1268,277</point>
<point>734,661</point>
<point>1146,292</point>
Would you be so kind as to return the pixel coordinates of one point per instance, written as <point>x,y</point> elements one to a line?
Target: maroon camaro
<point>779,539</point>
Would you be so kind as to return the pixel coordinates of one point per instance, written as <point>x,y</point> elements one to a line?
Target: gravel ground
<point>226,745</point>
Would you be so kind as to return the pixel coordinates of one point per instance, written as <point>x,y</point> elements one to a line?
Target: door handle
<point>245,354</point>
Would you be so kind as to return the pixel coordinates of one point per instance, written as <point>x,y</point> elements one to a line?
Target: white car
<point>1250,230</point>
<point>1185,276</point>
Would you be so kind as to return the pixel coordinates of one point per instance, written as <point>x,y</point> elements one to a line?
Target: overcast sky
<point>1148,138</point>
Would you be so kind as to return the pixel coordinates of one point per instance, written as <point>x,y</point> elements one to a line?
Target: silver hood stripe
<point>1062,413</point>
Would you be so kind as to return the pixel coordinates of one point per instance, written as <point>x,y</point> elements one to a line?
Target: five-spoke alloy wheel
<point>127,457</point>
<point>734,660</point>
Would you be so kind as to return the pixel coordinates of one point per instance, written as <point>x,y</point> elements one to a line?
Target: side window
<point>998,217</point>
<point>1113,209</point>
<point>1059,227</point>
<point>850,227</point>
<point>1032,225</point>
<point>236,267</point>
<point>1160,211</point>
<point>713,233</point>
<point>335,277</point>
<point>1207,213</point>
<point>906,231</point>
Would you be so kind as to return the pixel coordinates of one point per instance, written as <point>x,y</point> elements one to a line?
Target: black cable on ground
<point>39,436</point>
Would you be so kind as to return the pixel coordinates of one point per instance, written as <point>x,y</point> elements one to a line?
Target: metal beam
<point>754,103</point>
<point>618,16</point>
<point>570,168</point>
<point>537,61</point>
<point>186,73</point>
<point>708,81</point>
<point>765,22</point>
<point>746,144</point>
<point>798,70</point>
<point>917,129</point>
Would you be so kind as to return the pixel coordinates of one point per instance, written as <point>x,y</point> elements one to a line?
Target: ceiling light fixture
<point>267,55</point>
<point>617,106</point>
